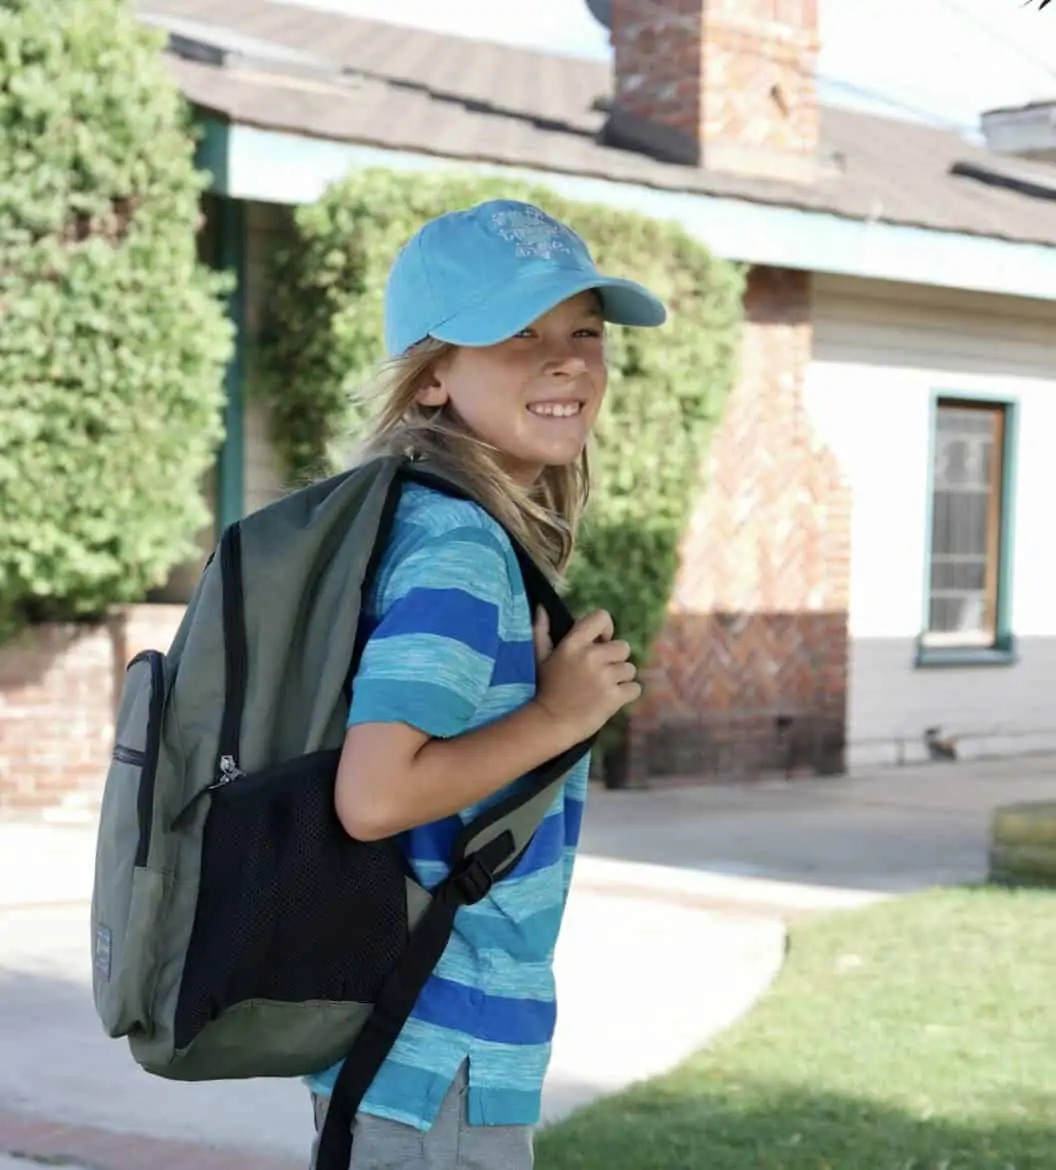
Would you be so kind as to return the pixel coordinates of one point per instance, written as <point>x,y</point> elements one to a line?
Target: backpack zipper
<point>229,770</point>
<point>236,649</point>
<point>149,763</point>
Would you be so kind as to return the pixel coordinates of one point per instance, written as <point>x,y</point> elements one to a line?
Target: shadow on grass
<point>754,1126</point>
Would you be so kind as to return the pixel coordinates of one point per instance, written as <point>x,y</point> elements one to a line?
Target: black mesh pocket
<point>290,907</point>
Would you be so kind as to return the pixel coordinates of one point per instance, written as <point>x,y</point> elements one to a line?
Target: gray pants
<point>451,1143</point>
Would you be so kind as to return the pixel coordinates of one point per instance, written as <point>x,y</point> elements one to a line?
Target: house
<point>867,575</point>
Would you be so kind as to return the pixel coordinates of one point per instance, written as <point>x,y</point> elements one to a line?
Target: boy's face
<point>534,397</point>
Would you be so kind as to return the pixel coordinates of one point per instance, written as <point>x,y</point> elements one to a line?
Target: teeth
<point>556,409</point>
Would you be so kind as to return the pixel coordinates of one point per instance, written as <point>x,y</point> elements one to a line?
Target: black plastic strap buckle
<point>472,880</point>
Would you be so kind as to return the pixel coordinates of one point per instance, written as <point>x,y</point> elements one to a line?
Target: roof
<point>378,84</point>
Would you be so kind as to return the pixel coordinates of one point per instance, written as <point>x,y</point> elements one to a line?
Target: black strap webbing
<point>398,995</point>
<point>236,648</point>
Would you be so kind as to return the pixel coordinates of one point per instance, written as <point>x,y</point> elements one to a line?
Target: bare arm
<point>394,777</point>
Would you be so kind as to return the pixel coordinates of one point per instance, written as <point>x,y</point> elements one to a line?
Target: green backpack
<point>237,930</point>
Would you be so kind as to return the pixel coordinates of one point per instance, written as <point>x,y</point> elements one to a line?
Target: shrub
<point>114,337</point>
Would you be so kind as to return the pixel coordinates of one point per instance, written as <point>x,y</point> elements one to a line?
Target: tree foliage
<point>113,337</point>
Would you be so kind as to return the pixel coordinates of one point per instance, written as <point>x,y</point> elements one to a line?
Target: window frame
<point>1002,650</point>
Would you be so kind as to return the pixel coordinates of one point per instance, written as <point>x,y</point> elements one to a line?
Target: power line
<point>940,121</point>
<point>1000,38</point>
<point>935,119</point>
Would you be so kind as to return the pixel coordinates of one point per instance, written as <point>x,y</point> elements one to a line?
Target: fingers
<point>595,627</point>
<point>588,676</point>
<point>614,651</point>
<point>544,645</point>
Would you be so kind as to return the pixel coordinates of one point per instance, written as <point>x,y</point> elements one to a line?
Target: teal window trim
<point>231,255</point>
<point>213,151</point>
<point>1002,652</point>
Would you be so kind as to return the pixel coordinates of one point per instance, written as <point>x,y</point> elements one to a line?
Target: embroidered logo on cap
<point>532,232</point>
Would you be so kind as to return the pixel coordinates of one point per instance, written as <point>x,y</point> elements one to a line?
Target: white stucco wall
<point>880,353</point>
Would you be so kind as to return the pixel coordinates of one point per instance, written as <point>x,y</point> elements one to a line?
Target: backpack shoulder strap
<point>501,835</point>
<point>395,1001</point>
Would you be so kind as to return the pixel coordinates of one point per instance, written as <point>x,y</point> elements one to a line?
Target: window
<point>966,603</point>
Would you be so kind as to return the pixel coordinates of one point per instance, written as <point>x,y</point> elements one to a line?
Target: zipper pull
<point>229,771</point>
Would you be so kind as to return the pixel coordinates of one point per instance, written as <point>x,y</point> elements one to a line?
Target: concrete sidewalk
<point>55,1061</point>
<point>689,887</point>
<point>892,830</point>
<point>57,1066</point>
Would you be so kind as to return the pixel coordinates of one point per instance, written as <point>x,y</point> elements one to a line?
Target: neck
<point>524,474</point>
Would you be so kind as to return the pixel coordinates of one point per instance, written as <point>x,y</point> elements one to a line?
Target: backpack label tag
<point>103,951</point>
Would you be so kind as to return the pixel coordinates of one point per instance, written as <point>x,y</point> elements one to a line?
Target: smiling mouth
<point>555,409</point>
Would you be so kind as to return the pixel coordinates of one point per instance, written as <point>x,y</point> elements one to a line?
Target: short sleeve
<point>431,657</point>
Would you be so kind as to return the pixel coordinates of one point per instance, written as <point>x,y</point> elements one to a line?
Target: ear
<point>431,390</point>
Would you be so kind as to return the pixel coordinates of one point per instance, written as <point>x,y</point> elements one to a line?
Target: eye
<point>589,332</point>
<point>527,332</point>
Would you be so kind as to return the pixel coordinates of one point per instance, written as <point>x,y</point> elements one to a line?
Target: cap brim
<point>516,306</point>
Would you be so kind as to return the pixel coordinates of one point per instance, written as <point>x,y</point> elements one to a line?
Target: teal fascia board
<point>277,167</point>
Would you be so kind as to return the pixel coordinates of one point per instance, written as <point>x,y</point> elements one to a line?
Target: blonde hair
<point>544,517</point>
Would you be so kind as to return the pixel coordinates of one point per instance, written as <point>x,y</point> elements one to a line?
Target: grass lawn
<point>915,1035</point>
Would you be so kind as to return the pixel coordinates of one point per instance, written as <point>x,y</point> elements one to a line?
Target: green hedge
<point>1023,844</point>
<point>114,338</point>
<point>322,339</point>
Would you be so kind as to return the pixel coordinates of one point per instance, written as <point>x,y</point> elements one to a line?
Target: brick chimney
<point>724,84</point>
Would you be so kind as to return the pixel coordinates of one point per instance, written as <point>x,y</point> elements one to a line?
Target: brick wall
<point>59,687</point>
<point>749,674</point>
<point>727,84</point>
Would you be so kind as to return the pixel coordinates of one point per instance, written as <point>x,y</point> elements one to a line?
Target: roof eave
<point>269,165</point>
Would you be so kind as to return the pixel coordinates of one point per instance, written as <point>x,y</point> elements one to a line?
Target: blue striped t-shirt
<point>449,648</point>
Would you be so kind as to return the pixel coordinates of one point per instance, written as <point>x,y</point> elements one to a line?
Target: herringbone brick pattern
<point>749,673</point>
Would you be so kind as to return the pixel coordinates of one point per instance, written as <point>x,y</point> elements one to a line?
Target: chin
<point>527,467</point>
<point>561,458</point>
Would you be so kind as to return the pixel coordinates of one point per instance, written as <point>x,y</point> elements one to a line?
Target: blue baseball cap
<point>479,276</point>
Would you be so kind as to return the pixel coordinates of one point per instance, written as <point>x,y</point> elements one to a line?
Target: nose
<point>563,361</point>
